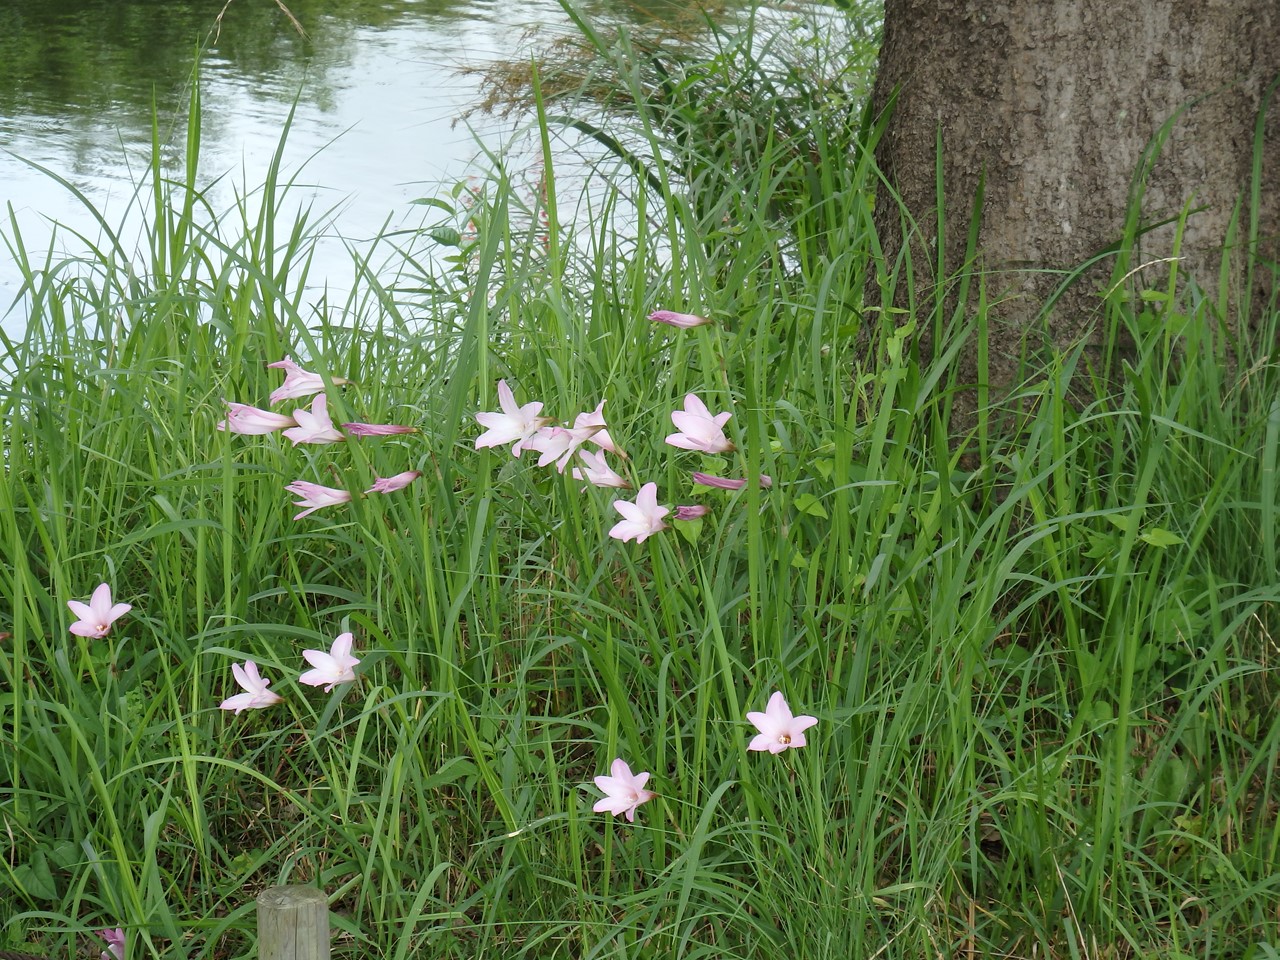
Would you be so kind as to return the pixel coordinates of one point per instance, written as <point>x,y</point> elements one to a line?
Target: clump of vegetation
<point>1041,662</point>
<point>704,102</point>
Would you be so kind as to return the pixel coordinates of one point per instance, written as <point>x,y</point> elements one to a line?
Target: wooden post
<point>293,923</point>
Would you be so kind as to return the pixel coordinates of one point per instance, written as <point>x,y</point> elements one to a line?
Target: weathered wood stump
<point>293,923</point>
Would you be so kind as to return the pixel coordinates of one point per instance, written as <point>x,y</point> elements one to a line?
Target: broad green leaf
<point>36,879</point>
<point>1160,537</point>
<point>690,529</point>
<point>808,503</point>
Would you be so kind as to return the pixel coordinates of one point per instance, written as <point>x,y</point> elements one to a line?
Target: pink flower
<point>640,519</point>
<point>392,484</point>
<point>682,320</point>
<point>514,423</point>
<point>315,426</point>
<point>98,614</point>
<point>331,668</point>
<point>558,444</point>
<point>601,438</point>
<point>724,483</point>
<point>691,512</point>
<point>623,791</point>
<point>256,695</point>
<point>314,496</point>
<point>242,418</point>
<point>699,430</point>
<point>597,471</point>
<point>115,943</point>
<point>298,382</point>
<point>376,429</point>
<point>778,728</point>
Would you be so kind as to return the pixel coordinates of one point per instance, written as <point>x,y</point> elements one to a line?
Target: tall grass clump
<point>1041,659</point>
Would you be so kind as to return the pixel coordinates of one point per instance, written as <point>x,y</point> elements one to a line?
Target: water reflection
<point>60,56</point>
<point>374,83</point>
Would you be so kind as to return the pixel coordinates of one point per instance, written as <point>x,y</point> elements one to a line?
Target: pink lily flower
<point>778,728</point>
<point>376,429</point>
<point>314,496</point>
<point>601,438</point>
<point>392,484</point>
<point>682,320</point>
<point>623,791</point>
<point>242,418</point>
<point>598,472</point>
<point>691,512</point>
<point>725,483</point>
<point>298,382</point>
<point>699,430</point>
<point>256,695</point>
<point>514,423</point>
<point>558,444</point>
<point>96,616</point>
<point>639,519</point>
<point>315,426</point>
<point>331,668</point>
<point>115,944</point>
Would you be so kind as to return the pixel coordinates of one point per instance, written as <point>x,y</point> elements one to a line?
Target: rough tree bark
<point>1056,102</point>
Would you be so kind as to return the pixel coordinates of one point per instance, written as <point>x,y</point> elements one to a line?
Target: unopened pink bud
<point>682,320</point>
<point>728,483</point>
<point>692,512</point>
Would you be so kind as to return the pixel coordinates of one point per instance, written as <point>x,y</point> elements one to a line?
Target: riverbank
<point>1042,682</point>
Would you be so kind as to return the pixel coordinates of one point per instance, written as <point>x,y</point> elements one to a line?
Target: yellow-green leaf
<point>1160,537</point>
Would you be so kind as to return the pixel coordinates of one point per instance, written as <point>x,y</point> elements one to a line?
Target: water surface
<point>375,86</point>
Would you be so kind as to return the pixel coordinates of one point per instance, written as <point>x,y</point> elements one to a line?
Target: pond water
<point>375,85</point>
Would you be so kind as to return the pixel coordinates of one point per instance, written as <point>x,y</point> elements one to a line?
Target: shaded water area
<point>374,85</point>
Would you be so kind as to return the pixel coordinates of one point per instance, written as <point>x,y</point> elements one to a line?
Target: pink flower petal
<point>397,482</point>
<point>315,425</point>
<point>94,619</point>
<point>298,382</point>
<point>691,512</point>
<point>639,519</point>
<point>597,471</point>
<point>699,430</point>
<point>314,496</point>
<point>244,419</point>
<point>514,423</point>
<point>376,429</point>
<point>623,791</point>
<point>256,695</point>
<point>779,729</point>
<point>725,483</point>
<point>682,320</point>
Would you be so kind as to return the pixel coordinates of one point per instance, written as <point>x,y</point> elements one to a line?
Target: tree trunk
<point>1053,104</point>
